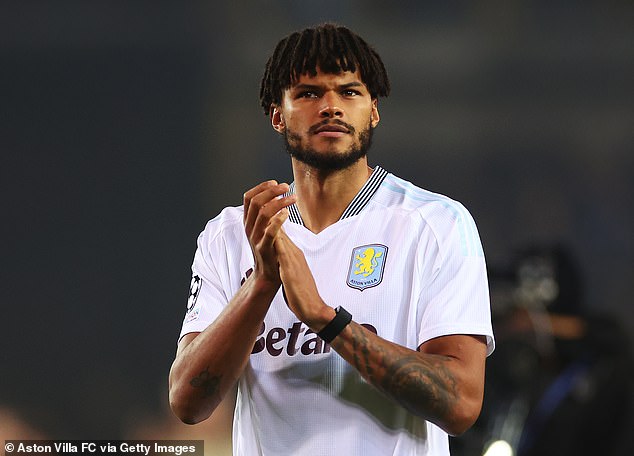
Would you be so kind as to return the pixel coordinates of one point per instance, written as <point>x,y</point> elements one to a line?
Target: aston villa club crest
<point>366,266</point>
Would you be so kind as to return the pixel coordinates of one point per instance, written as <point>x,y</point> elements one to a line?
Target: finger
<point>249,194</point>
<point>267,212</point>
<point>274,228</point>
<point>285,249</point>
<point>259,200</point>
<point>267,196</point>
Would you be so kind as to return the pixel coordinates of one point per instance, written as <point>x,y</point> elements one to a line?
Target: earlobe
<point>277,119</point>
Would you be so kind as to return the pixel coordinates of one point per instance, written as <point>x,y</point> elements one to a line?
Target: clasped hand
<point>278,261</point>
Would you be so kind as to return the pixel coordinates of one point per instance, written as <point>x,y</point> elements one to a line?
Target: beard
<point>329,160</point>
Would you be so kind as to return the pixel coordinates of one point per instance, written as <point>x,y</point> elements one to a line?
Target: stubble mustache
<point>324,122</point>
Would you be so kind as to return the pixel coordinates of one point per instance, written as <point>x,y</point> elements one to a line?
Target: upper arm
<point>468,350</point>
<point>465,357</point>
<point>468,355</point>
<point>456,346</point>
<point>454,292</point>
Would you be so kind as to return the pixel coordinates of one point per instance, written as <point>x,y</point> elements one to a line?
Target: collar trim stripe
<point>358,203</point>
<point>366,193</point>
<point>293,211</point>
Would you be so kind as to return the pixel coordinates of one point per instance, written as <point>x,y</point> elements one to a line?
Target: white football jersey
<point>405,262</point>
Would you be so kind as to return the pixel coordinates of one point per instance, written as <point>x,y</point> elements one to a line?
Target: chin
<point>335,156</point>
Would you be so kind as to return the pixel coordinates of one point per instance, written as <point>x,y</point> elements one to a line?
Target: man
<point>351,306</point>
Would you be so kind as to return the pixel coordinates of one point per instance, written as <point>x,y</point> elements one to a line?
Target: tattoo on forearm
<point>359,344</point>
<point>414,383</point>
<point>417,382</point>
<point>209,383</point>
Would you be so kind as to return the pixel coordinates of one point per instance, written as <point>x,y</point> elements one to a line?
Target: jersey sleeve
<point>454,297</point>
<point>206,296</point>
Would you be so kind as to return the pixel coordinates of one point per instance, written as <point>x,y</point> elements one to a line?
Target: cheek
<point>292,137</point>
<point>293,118</point>
<point>298,125</point>
<point>289,110</point>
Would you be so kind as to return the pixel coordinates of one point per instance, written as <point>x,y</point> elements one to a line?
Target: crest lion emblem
<point>366,266</point>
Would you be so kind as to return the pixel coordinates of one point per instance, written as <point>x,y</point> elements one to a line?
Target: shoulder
<point>228,223</point>
<point>446,217</point>
<point>397,192</point>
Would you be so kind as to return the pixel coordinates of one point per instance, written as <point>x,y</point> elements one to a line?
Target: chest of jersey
<point>367,264</point>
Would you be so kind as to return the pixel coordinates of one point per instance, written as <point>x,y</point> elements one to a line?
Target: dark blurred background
<point>127,125</point>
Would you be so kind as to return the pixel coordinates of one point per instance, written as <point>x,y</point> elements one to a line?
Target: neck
<point>322,196</point>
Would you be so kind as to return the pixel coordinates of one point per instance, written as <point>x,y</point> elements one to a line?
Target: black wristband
<point>336,325</point>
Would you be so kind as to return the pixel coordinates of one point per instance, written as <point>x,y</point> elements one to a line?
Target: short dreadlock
<point>329,47</point>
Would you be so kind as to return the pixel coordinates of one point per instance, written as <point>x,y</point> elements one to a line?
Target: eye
<point>306,94</point>
<point>350,93</point>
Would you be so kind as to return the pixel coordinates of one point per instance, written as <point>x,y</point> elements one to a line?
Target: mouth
<point>331,130</point>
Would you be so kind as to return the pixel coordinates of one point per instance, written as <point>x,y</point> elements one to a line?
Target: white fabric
<point>297,396</point>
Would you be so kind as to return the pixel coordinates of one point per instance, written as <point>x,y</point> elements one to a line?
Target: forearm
<point>431,386</point>
<point>208,367</point>
<point>443,382</point>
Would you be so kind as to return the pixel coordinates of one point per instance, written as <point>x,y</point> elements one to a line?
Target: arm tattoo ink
<point>408,379</point>
<point>415,381</point>
<point>360,344</point>
<point>209,383</point>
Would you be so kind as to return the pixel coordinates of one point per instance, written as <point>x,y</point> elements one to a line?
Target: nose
<point>330,107</point>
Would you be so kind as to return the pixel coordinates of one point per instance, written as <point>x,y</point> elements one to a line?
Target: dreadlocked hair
<point>329,47</point>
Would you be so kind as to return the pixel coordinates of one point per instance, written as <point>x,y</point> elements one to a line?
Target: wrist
<point>263,285</point>
<point>341,319</point>
<point>322,319</point>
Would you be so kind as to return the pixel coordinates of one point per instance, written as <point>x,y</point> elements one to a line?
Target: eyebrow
<point>317,87</point>
<point>352,84</point>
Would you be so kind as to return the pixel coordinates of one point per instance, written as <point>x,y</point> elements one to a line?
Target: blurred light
<point>499,448</point>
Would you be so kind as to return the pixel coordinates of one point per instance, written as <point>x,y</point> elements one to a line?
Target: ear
<point>277,119</point>
<point>374,115</point>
